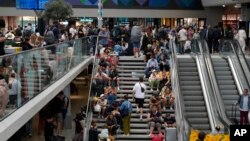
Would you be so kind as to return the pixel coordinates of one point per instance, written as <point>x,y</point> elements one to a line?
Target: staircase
<point>130,69</point>
<point>194,104</point>
<point>226,83</point>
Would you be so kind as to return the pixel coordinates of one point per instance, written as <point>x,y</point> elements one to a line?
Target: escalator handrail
<point>184,126</point>
<point>88,109</point>
<point>199,53</point>
<point>214,84</point>
<point>240,52</point>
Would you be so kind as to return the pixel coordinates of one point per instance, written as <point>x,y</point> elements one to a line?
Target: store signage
<point>86,20</point>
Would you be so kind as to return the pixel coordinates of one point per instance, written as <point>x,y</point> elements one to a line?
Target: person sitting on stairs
<point>154,80</point>
<point>154,118</point>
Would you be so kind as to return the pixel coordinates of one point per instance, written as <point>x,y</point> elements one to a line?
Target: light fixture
<point>237,6</point>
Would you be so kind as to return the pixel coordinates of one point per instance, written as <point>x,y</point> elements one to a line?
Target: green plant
<point>57,10</point>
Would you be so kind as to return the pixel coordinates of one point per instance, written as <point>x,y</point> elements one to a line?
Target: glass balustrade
<point>26,74</point>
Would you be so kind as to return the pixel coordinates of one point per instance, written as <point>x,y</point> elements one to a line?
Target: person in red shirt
<point>157,137</point>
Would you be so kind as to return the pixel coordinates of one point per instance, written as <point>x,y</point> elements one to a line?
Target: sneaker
<point>137,110</point>
<point>118,88</point>
<point>151,89</point>
<point>158,90</point>
<point>141,117</point>
<point>164,108</point>
<point>171,108</point>
<point>150,135</point>
<point>127,135</point>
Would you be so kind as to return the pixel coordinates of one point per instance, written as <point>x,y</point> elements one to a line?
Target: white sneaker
<point>151,89</point>
<point>137,110</point>
<point>118,88</point>
<point>171,108</point>
<point>140,117</point>
<point>164,108</point>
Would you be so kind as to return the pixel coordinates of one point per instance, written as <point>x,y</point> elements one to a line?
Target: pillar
<point>68,118</point>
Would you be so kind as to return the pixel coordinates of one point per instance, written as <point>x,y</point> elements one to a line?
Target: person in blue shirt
<point>126,105</point>
<point>151,65</point>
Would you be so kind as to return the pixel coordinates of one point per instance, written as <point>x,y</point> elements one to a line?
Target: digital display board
<point>31,4</point>
<point>140,4</point>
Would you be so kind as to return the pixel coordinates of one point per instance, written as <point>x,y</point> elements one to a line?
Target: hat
<point>153,70</point>
<point>149,45</point>
<point>102,95</point>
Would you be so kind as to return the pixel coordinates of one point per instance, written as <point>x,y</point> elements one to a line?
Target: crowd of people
<point>149,42</point>
<point>116,112</point>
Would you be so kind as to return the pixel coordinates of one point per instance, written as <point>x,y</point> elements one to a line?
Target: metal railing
<point>183,126</point>
<point>216,92</point>
<point>89,110</point>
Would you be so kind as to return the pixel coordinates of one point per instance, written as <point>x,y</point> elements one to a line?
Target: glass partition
<point>26,74</point>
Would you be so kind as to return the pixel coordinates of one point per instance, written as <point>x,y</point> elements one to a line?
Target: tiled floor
<point>76,102</point>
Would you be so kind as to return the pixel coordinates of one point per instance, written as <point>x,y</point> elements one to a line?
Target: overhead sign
<point>31,4</point>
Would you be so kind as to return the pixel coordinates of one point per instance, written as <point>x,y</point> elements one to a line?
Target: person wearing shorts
<point>139,95</point>
<point>136,34</point>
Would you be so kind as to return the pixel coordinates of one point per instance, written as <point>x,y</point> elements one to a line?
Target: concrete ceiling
<point>209,3</point>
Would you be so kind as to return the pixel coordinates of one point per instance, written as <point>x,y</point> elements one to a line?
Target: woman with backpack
<point>126,110</point>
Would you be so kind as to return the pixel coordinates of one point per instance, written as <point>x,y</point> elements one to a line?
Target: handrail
<point>35,71</point>
<point>242,59</point>
<point>183,127</point>
<point>216,92</point>
<point>89,107</point>
<point>197,50</point>
<point>242,83</point>
<point>46,46</point>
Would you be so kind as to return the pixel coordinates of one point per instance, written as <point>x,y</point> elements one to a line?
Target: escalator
<point>191,90</point>
<point>226,84</point>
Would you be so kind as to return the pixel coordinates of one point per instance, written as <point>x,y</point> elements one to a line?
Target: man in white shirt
<point>242,36</point>
<point>182,38</point>
<point>244,102</point>
<point>73,32</point>
<point>139,95</point>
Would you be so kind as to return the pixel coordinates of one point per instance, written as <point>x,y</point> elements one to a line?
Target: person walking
<point>139,95</point>
<point>126,109</point>
<point>244,102</point>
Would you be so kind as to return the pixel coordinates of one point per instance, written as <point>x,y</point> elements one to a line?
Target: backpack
<point>50,37</point>
<point>27,32</point>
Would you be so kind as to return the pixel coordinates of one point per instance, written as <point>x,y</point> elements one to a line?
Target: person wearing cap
<point>103,103</point>
<point>154,80</point>
<point>126,105</point>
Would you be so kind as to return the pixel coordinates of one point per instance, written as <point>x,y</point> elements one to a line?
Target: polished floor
<point>77,101</point>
